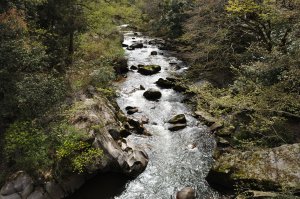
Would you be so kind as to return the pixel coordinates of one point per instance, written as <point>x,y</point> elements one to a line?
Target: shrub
<point>72,150</point>
<point>26,147</point>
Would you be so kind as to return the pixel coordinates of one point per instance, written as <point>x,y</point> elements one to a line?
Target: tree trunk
<point>71,43</point>
<point>71,47</point>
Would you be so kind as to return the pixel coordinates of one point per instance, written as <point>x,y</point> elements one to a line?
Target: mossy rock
<point>164,83</point>
<point>149,69</point>
<point>273,169</point>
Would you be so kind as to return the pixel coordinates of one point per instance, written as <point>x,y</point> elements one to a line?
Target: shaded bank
<point>106,185</point>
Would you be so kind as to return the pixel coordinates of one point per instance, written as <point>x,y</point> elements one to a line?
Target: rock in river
<point>164,83</point>
<point>149,69</point>
<point>131,110</point>
<point>178,119</point>
<point>154,53</point>
<point>152,94</point>
<point>186,193</point>
<point>133,67</point>
<point>137,45</point>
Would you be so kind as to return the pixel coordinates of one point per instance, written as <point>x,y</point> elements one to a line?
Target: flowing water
<point>173,164</point>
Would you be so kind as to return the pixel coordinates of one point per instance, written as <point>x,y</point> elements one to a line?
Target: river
<point>173,162</point>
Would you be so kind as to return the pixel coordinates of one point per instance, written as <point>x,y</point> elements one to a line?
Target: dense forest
<point>50,50</point>
<point>243,75</point>
<point>244,58</point>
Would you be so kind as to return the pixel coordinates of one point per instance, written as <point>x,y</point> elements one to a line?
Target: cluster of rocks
<point>22,186</point>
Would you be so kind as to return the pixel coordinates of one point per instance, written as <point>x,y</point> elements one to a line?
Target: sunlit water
<point>172,163</point>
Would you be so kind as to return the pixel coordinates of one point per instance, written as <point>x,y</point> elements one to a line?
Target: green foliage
<point>251,112</point>
<point>73,152</point>
<point>86,158</point>
<point>26,147</point>
<point>167,16</point>
<point>38,93</point>
<point>104,16</point>
<point>50,49</point>
<point>29,148</point>
<point>247,50</point>
<point>269,21</point>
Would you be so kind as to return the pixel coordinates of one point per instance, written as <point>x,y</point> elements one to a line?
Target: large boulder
<point>20,183</point>
<point>186,193</point>
<point>164,83</point>
<point>97,111</point>
<point>136,126</point>
<point>271,169</point>
<point>152,94</point>
<point>149,69</point>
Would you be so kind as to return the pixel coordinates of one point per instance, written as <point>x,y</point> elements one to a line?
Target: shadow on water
<point>102,186</point>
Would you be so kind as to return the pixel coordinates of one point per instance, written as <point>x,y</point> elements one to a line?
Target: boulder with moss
<point>273,169</point>
<point>149,69</point>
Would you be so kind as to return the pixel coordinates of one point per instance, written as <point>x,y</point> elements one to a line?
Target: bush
<point>26,147</point>
<point>73,151</point>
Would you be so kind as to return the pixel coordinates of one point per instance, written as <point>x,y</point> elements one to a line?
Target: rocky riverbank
<point>246,170</point>
<point>100,120</point>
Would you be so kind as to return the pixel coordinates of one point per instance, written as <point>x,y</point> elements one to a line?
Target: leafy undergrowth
<point>49,153</point>
<point>253,114</point>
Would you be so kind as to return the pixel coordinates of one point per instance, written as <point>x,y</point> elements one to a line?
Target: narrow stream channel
<point>173,164</point>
